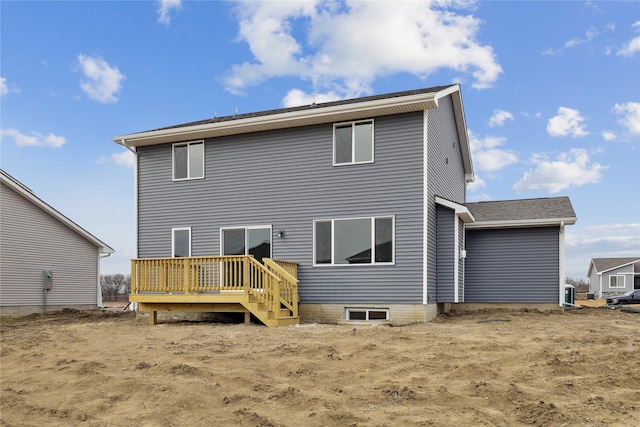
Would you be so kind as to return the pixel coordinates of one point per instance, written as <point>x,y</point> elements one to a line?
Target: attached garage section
<point>512,265</point>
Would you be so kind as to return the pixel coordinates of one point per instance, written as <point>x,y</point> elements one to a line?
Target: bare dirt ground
<point>105,368</point>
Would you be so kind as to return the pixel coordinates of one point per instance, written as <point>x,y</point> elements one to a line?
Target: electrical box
<point>47,279</point>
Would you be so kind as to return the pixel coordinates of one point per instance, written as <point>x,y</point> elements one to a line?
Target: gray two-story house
<point>356,209</point>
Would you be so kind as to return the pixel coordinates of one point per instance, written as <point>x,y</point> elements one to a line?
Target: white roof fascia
<point>461,126</point>
<point>591,266</point>
<point>522,223</point>
<point>21,189</point>
<point>460,210</point>
<point>621,265</point>
<point>417,102</point>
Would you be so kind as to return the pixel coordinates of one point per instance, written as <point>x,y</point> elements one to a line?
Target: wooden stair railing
<point>271,286</point>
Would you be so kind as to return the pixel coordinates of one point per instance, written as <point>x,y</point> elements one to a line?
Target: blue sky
<point>551,93</point>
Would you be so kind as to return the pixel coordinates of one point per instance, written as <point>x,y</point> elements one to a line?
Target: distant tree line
<point>580,284</point>
<point>115,286</point>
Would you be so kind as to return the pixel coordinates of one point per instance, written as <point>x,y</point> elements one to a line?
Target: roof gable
<point>600,265</point>
<point>22,190</point>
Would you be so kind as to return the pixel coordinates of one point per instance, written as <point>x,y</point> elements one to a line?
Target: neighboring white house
<point>36,239</point>
<point>613,276</point>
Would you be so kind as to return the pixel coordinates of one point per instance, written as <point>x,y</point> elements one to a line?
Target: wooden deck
<point>269,291</point>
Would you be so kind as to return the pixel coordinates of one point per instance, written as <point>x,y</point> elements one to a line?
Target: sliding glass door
<point>254,241</point>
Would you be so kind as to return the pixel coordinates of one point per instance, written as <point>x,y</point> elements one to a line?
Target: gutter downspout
<point>99,299</point>
<point>561,301</point>
<point>133,306</point>
<point>425,210</point>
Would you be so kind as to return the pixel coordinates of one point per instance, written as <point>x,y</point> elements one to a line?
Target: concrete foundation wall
<point>472,307</point>
<point>336,313</point>
<point>23,310</point>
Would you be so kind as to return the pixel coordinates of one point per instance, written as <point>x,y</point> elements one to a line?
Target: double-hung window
<point>353,142</point>
<point>354,241</point>
<point>181,242</point>
<point>188,160</point>
<point>616,281</point>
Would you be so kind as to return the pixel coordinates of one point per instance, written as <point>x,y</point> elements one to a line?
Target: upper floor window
<point>353,142</point>
<point>188,160</point>
<point>616,281</point>
<point>181,242</point>
<point>354,241</point>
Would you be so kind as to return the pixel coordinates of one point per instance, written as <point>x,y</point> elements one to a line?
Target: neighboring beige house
<point>35,239</point>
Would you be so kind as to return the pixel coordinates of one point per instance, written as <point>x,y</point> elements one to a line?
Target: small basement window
<point>367,314</point>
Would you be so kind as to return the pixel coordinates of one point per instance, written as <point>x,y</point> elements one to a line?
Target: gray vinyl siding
<point>594,283</point>
<point>286,179</point>
<point>626,271</point>
<point>461,262</point>
<point>33,241</point>
<point>513,265</point>
<point>445,172</point>
<point>445,249</point>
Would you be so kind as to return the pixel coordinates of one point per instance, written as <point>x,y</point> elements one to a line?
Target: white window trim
<point>367,310</point>
<point>245,228</point>
<point>173,156</point>
<point>624,284</point>
<point>173,230</point>
<point>353,145</point>
<point>373,241</point>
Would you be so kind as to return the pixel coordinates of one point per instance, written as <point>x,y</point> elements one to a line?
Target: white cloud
<point>296,97</point>
<point>589,35</point>
<point>35,139</point>
<point>568,122</point>
<point>164,7</point>
<point>608,135</point>
<point>607,238</point>
<point>633,46</point>
<point>476,184</point>
<point>344,47</point>
<point>124,158</point>
<point>4,89</point>
<point>487,156</point>
<point>600,241</point>
<point>102,81</point>
<point>631,113</point>
<point>571,169</point>
<point>499,117</point>
<point>630,48</point>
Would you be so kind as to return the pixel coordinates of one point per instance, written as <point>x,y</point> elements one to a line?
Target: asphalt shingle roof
<point>309,107</point>
<point>603,264</point>
<point>525,209</point>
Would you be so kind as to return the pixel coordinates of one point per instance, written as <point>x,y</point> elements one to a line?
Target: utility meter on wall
<point>47,279</point>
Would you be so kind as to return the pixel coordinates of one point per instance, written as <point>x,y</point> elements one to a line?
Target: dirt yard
<point>105,368</point>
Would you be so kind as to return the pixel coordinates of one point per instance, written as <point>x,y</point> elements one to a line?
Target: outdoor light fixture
<point>281,234</point>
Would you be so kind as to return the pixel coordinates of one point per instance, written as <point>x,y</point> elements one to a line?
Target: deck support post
<point>186,276</point>
<point>247,318</point>
<point>153,317</point>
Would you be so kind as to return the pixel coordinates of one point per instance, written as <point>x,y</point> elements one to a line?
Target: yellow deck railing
<point>272,284</point>
<point>288,282</point>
